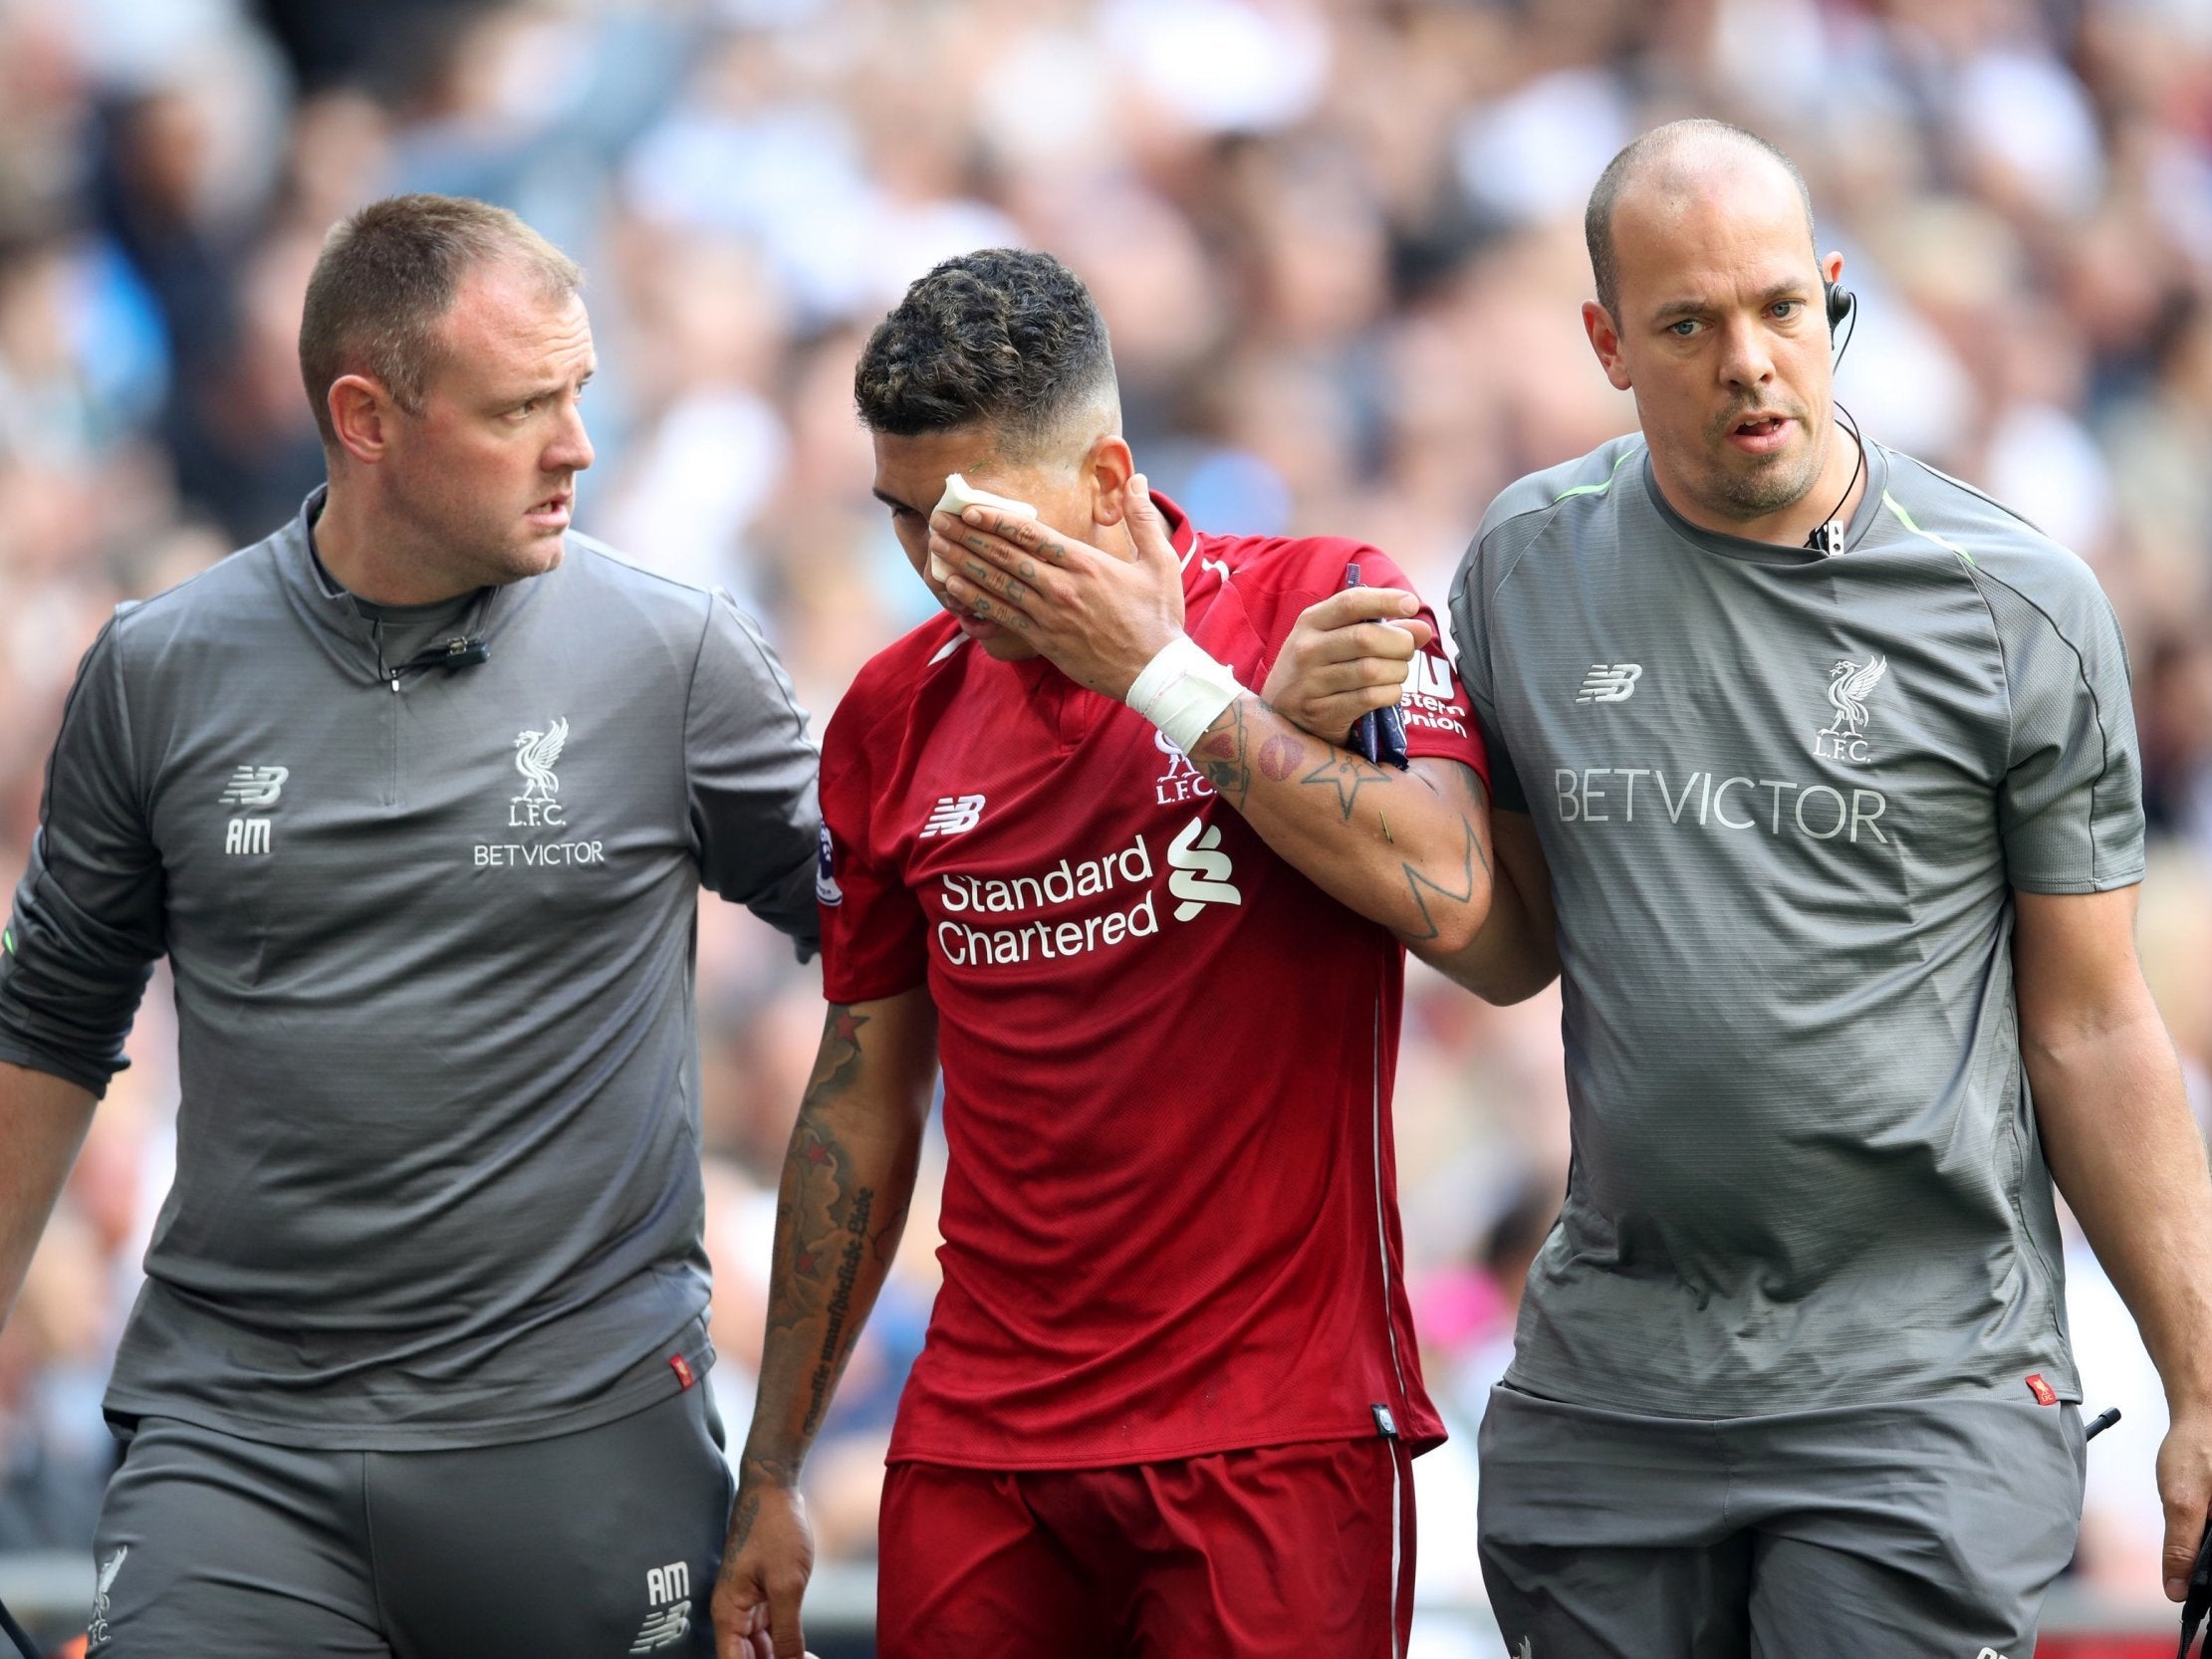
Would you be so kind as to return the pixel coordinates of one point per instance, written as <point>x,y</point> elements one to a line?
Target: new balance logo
<point>669,1589</point>
<point>1610,684</point>
<point>952,815</point>
<point>1201,872</point>
<point>663,1628</point>
<point>255,786</point>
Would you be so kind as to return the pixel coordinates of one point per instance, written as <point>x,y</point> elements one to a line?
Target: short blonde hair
<point>385,279</point>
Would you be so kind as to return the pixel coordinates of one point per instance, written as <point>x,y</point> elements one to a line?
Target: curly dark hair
<point>1003,336</point>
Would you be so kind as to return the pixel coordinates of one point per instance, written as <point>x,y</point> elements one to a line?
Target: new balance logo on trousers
<point>669,1590</point>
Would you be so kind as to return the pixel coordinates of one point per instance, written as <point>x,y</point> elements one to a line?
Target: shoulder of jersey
<point>1951,517</point>
<point>1573,486</point>
<point>217,602</point>
<point>1565,500</point>
<point>1281,563</point>
<point>591,562</point>
<point>888,681</point>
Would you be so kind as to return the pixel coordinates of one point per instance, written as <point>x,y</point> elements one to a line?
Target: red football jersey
<point>1170,1210</point>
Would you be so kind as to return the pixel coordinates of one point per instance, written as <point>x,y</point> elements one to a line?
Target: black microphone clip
<point>464,650</point>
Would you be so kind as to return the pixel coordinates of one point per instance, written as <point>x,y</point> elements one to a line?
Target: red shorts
<point>1284,1549</point>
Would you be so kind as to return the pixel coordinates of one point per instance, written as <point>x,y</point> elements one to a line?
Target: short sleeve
<point>874,932</point>
<point>1439,720</point>
<point>2070,804</point>
<point>750,778</point>
<point>89,916</point>
<point>1471,639</point>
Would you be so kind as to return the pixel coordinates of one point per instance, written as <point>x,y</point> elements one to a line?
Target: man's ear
<point>1107,471</point>
<point>1605,339</point>
<point>361,414</point>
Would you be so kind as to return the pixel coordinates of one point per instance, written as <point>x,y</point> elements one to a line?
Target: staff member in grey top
<point>1834,838</point>
<point>416,796</point>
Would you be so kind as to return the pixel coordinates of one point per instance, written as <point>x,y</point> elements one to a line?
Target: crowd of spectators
<point>1338,244</point>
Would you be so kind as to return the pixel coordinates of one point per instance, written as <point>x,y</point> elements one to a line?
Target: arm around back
<point>751,774</point>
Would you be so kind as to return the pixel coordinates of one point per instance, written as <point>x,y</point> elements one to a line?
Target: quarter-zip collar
<point>334,619</point>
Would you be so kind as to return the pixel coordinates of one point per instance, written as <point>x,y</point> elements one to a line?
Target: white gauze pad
<point>960,496</point>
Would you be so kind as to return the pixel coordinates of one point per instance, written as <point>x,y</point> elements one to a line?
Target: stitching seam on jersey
<point>129,740</point>
<point>1550,509</point>
<point>2097,706</point>
<point>1596,489</point>
<point>1513,566</point>
<point>2014,514</point>
<point>2004,667</point>
<point>684,734</point>
<point>776,675</point>
<point>1905,518</point>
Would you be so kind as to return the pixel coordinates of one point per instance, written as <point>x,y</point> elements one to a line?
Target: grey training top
<point>1784,799</point>
<point>437,1174</point>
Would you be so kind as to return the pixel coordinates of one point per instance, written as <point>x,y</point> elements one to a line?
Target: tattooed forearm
<point>848,1179</point>
<point>834,1345</point>
<point>837,1064</point>
<point>1418,879</point>
<point>1348,774</point>
<point>887,1236</point>
<point>1221,756</point>
<point>1280,756</point>
<point>814,1175</point>
<point>756,1472</point>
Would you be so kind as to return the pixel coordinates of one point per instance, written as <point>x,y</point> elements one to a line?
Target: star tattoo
<point>1348,773</point>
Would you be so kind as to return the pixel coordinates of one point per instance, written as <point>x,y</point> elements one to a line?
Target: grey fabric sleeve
<point>751,772</point>
<point>1471,639</point>
<point>2070,806</point>
<point>88,920</point>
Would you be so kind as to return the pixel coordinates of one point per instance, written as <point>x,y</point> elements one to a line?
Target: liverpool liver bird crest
<point>1849,684</point>
<point>535,753</point>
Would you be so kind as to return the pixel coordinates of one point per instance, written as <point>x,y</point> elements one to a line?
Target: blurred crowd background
<point>1339,245</point>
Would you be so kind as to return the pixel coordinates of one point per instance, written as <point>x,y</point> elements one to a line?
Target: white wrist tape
<point>1183,691</point>
<point>960,496</point>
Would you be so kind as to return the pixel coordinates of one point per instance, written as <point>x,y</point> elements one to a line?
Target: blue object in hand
<point>1378,736</point>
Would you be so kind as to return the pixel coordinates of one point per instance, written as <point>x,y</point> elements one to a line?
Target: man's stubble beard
<point>1766,490</point>
<point>467,546</point>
